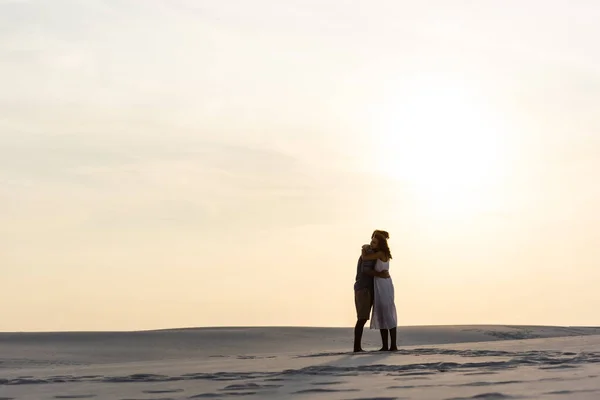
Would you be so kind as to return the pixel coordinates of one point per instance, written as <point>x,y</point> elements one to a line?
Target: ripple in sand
<point>324,390</point>
<point>250,386</point>
<point>159,391</point>
<point>378,398</point>
<point>486,396</point>
<point>327,383</point>
<point>570,392</point>
<point>489,383</point>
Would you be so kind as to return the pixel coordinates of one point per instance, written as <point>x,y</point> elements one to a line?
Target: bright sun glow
<point>445,144</point>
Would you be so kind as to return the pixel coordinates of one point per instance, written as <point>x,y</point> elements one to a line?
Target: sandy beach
<point>434,362</point>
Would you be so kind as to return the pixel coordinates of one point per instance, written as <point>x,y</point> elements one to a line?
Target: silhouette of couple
<point>374,292</point>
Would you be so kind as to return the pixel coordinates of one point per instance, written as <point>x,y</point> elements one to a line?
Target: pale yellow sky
<point>199,163</point>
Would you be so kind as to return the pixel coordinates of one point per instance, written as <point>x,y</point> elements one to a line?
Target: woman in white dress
<point>384,315</point>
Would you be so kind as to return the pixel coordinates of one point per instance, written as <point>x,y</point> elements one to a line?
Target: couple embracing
<point>373,289</point>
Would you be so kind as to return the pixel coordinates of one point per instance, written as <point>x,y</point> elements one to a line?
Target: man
<point>363,293</point>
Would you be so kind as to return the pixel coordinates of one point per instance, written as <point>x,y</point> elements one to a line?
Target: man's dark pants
<point>363,300</point>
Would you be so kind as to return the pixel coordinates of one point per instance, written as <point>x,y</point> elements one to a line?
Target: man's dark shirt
<point>364,281</point>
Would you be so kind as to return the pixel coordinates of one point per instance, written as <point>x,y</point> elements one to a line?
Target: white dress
<point>384,309</point>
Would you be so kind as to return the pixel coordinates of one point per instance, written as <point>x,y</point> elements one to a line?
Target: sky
<point>191,163</point>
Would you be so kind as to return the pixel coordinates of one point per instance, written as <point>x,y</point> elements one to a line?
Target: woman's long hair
<point>382,244</point>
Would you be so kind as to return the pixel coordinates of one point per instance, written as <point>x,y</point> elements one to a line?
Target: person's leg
<point>393,345</point>
<point>358,332</point>
<point>384,339</point>
<point>362,301</point>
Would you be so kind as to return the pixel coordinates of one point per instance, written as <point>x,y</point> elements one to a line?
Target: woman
<point>384,315</point>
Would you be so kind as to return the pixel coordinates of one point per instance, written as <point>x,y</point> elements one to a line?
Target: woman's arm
<point>372,256</point>
<point>383,274</point>
<point>367,256</point>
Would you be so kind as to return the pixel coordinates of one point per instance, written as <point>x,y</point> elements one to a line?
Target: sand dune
<point>443,362</point>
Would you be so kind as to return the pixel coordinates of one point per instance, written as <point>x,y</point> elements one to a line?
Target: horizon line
<point>239,327</point>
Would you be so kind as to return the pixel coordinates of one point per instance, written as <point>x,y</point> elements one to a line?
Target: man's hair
<point>382,233</point>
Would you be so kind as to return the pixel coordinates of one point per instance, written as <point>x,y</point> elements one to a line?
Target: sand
<point>443,362</point>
